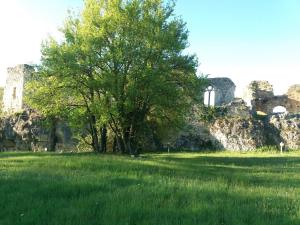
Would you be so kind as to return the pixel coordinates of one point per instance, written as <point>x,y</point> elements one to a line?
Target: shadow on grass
<point>29,200</point>
<point>237,161</point>
<point>269,172</point>
<point>119,190</point>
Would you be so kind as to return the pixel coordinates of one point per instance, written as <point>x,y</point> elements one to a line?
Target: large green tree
<point>121,66</point>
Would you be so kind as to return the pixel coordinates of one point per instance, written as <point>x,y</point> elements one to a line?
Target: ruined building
<point>21,127</point>
<point>220,91</point>
<point>260,96</point>
<point>14,87</point>
<point>234,129</point>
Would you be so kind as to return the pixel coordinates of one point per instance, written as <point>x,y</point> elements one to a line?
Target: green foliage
<point>274,149</point>
<point>121,67</point>
<point>209,114</point>
<point>268,148</point>
<point>168,189</point>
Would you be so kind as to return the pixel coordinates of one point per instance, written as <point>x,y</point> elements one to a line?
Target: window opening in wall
<point>209,96</point>
<point>14,93</point>
<point>279,109</point>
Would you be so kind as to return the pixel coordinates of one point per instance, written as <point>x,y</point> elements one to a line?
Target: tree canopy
<point>120,70</point>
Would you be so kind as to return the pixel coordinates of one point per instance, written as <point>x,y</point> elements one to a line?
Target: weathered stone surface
<point>260,96</point>
<point>294,98</point>
<point>257,90</point>
<point>19,132</point>
<point>267,105</point>
<point>224,90</point>
<point>24,131</point>
<point>14,87</point>
<point>195,136</point>
<point>235,128</point>
<point>294,92</point>
<point>237,108</point>
<point>238,134</point>
<point>286,128</point>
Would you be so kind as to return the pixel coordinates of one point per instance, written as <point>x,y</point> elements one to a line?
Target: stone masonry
<point>223,89</point>
<point>14,87</point>
<point>259,95</point>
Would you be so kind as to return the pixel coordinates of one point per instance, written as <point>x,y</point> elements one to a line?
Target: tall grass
<point>158,189</point>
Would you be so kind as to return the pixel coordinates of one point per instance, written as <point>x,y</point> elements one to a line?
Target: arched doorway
<point>209,96</point>
<point>279,109</point>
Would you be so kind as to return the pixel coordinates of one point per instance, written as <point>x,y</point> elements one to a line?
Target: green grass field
<point>158,189</point>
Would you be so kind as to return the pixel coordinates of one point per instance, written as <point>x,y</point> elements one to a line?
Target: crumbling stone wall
<point>26,131</point>
<point>237,134</point>
<point>14,87</point>
<point>267,105</point>
<point>258,90</point>
<point>294,98</point>
<point>235,128</point>
<point>260,95</point>
<point>283,127</point>
<point>224,90</point>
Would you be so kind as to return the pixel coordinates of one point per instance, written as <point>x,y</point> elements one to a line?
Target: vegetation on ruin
<point>1,94</point>
<point>1,100</point>
<point>210,113</point>
<point>120,74</point>
<point>214,188</point>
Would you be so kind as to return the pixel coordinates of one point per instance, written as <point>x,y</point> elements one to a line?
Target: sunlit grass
<point>182,188</point>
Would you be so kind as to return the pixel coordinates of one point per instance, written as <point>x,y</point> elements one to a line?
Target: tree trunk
<point>103,139</point>
<point>128,141</point>
<point>94,134</point>
<point>115,145</point>
<point>52,139</point>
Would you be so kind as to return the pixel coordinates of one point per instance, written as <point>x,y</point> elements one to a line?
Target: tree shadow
<point>121,190</point>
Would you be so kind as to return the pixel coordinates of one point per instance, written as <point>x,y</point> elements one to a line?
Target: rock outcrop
<point>284,127</point>
<point>233,127</point>
<point>238,109</point>
<point>20,131</point>
<point>25,131</point>
<point>237,134</point>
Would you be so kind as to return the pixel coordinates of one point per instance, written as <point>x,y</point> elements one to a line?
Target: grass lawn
<point>159,189</point>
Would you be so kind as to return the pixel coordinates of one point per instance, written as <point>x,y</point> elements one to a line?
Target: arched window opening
<point>279,109</point>
<point>209,96</point>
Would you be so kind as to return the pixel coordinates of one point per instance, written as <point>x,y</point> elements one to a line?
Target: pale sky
<point>241,39</point>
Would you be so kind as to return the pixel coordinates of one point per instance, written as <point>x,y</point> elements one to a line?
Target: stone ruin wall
<point>14,87</point>
<point>25,131</point>
<point>224,90</point>
<point>22,129</point>
<point>294,98</point>
<point>256,90</point>
<point>237,130</point>
<point>260,96</point>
